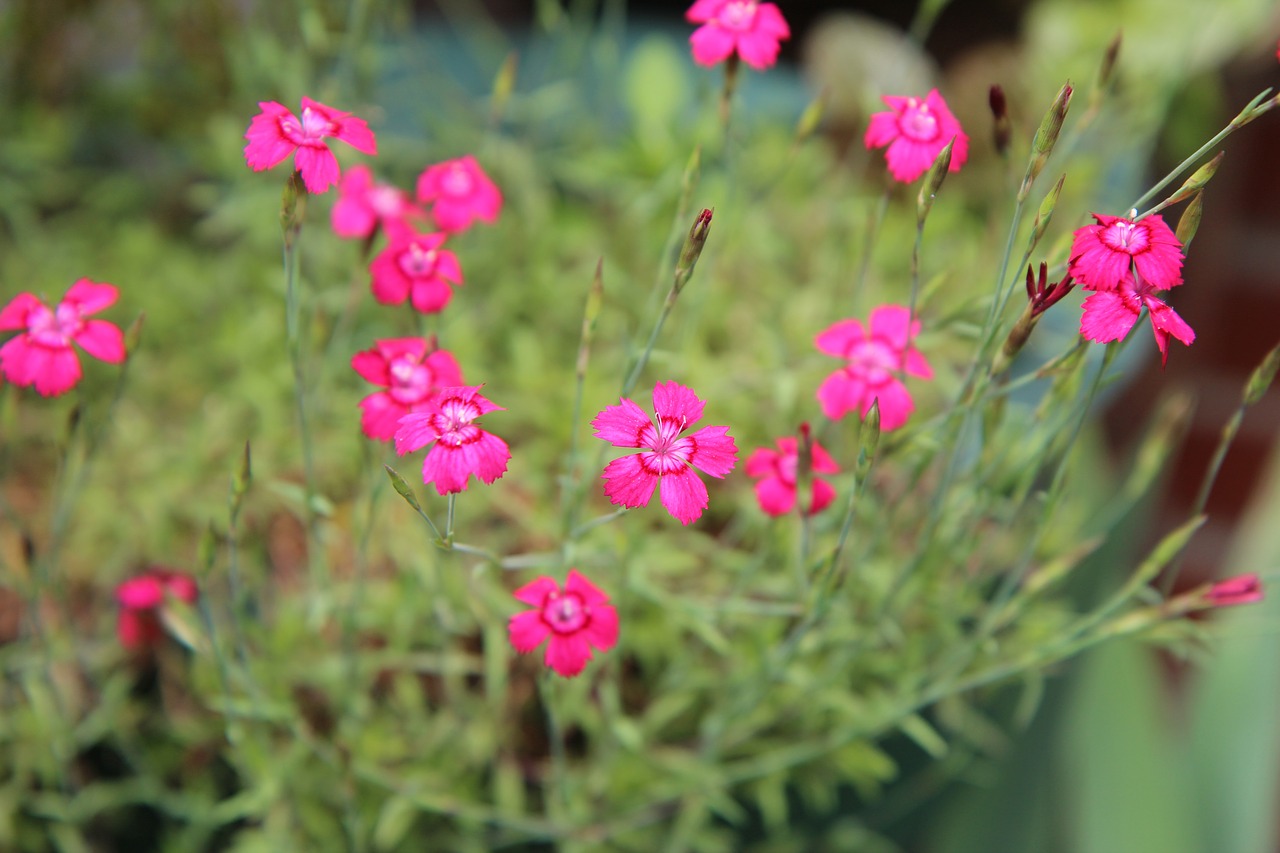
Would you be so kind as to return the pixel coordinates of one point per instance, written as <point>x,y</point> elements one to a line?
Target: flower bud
<point>1189,223</point>
<point>1046,137</point>
<point>1261,378</point>
<point>692,249</point>
<point>1002,127</point>
<point>933,182</point>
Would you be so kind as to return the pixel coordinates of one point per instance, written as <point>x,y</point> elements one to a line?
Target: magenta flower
<point>364,205</point>
<point>754,30</point>
<point>669,456</point>
<point>777,469</point>
<point>1244,589</point>
<point>574,620</point>
<point>1110,314</point>
<point>142,598</point>
<point>413,266</point>
<point>460,447</point>
<point>875,359</point>
<point>1103,255</point>
<point>43,355</point>
<point>275,133</point>
<point>460,193</point>
<point>916,131</point>
<point>411,371</point>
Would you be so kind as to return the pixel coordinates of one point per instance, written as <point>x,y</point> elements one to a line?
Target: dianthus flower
<point>460,193</point>
<point>916,131</point>
<point>1104,255</point>
<point>412,371</point>
<point>413,266</point>
<point>575,620</point>
<point>669,456</point>
<point>876,358</point>
<point>43,355</point>
<point>1243,589</point>
<point>364,205</point>
<point>141,600</point>
<point>752,29</point>
<point>460,447</point>
<point>1110,314</point>
<point>275,133</point>
<point>777,470</point>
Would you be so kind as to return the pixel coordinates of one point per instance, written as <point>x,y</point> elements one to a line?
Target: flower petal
<point>621,425</point>
<point>774,496</point>
<point>602,630</point>
<point>535,592</point>
<point>684,495</point>
<point>673,401</point>
<point>627,483</point>
<point>590,594</point>
<point>102,340</point>
<point>568,654</point>
<point>1107,317</point>
<point>714,451</point>
<point>527,631</point>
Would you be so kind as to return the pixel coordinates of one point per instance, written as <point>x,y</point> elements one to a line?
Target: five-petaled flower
<point>876,358</point>
<point>916,131</point>
<point>1110,314</point>
<point>1243,589</point>
<point>778,472</point>
<point>275,133</point>
<point>669,456</point>
<point>459,447</point>
<point>459,193</point>
<point>412,371</point>
<point>574,620</point>
<point>364,205</point>
<point>1104,255</point>
<point>141,600</point>
<point>750,28</point>
<point>414,266</point>
<point>43,355</point>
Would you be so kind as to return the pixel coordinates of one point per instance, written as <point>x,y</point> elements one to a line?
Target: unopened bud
<point>692,249</point>
<point>933,182</point>
<point>870,440</point>
<point>1047,136</point>
<point>1002,127</point>
<point>1045,213</point>
<point>133,334</point>
<point>1189,223</point>
<point>293,206</point>
<point>503,85</point>
<point>810,119</point>
<point>1262,377</point>
<point>1108,66</point>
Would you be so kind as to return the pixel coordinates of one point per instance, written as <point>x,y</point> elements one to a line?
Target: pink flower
<point>752,29</point>
<point>1110,314</point>
<point>141,600</point>
<point>1244,589</point>
<point>275,133</point>
<point>414,266</point>
<point>461,192</point>
<point>776,488</point>
<point>875,361</point>
<point>574,620</point>
<point>916,131</point>
<point>461,448</point>
<point>412,372</point>
<point>1103,255</point>
<point>670,456</point>
<point>42,355</point>
<point>364,205</point>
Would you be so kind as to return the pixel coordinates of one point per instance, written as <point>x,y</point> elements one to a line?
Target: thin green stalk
<point>869,241</point>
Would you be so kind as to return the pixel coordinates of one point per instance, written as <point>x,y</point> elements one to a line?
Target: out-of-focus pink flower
<point>365,204</point>
<point>753,29</point>
<point>411,371</point>
<point>141,600</point>
<point>777,470</point>
<point>1110,314</point>
<point>670,456</point>
<point>1104,255</point>
<point>1244,589</point>
<point>413,266</point>
<point>876,359</point>
<point>43,355</point>
<point>916,131</point>
<point>460,193</point>
<point>459,447</point>
<point>575,620</point>
<point>275,133</point>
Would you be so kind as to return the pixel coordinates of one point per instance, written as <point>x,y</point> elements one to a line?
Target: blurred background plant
<point>380,707</point>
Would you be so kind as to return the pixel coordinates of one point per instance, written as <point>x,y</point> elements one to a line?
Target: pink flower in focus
<point>414,267</point>
<point>1110,314</point>
<point>876,359</point>
<point>460,193</point>
<point>43,355</point>
<point>412,371</point>
<point>669,456</point>
<point>575,620</point>
<point>916,131</point>
<point>460,447</point>
<point>141,600</point>
<point>751,28</point>
<point>1244,589</point>
<point>1103,255</point>
<point>777,470</point>
<point>364,205</point>
<point>275,133</point>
